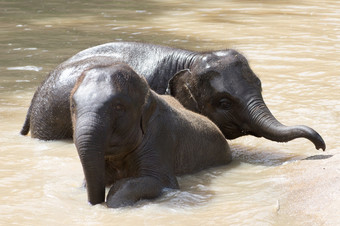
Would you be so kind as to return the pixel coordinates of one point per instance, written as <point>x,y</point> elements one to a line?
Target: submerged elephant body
<point>217,84</point>
<point>136,140</point>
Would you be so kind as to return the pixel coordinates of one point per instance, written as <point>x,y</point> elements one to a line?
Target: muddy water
<point>294,47</point>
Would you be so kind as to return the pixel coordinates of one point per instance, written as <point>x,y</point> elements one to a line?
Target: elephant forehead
<point>220,84</point>
<point>92,92</point>
<point>94,88</point>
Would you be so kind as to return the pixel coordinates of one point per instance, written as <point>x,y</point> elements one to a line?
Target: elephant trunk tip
<point>313,136</point>
<point>320,143</point>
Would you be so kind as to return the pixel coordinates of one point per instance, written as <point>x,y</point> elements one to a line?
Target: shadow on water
<point>267,157</point>
<point>318,157</point>
<point>261,156</point>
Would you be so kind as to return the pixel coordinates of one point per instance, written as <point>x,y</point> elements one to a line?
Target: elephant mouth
<point>234,130</point>
<point>119,150</point>
<point>245,133</point>
<point>230,135</point>
<point>123,149</point>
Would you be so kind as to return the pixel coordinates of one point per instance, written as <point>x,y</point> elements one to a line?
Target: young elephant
<point>136,140</point>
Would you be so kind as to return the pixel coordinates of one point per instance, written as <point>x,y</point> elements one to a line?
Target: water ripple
<point>25,68</point>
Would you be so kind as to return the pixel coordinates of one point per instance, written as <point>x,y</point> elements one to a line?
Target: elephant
<point>134,139</point>
<point>218,84</point>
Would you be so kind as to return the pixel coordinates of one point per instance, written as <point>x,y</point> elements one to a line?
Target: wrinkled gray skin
<point>218,84</point>
<point>134,139</point>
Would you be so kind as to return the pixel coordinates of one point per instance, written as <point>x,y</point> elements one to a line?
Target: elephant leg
<point>127,192</point>
<point>50,125</point>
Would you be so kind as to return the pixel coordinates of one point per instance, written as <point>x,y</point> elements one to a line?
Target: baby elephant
<point>137,141</point>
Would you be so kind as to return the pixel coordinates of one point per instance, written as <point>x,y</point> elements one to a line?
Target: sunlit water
<point>293,46</point>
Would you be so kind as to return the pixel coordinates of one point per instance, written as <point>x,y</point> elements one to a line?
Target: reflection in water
<point>292,46</point>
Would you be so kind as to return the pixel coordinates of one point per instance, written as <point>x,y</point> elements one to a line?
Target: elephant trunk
<point>90,141</point>
<point>264,124</point>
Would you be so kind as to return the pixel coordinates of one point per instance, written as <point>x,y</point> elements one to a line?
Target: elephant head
<point>108,108</point>
<point>223,87</point>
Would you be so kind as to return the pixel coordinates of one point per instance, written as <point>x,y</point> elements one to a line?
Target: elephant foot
<point>117,202</point>
<point>127,192</point>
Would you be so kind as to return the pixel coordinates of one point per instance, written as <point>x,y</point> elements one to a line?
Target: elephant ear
<point>180,88</point>
<point>147,111</point>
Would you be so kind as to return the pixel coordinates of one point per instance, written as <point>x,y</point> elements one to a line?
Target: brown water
<point>294,47</point>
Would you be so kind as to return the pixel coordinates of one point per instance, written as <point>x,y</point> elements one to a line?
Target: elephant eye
<point>225,104</point>
<point>118,107</point>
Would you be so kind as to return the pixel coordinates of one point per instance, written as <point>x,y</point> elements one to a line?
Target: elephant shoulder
<point>172,102</point>
<point>189,121</point>
<point>197,138</point>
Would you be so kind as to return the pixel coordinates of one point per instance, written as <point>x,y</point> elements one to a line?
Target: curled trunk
<point>264,124</point>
